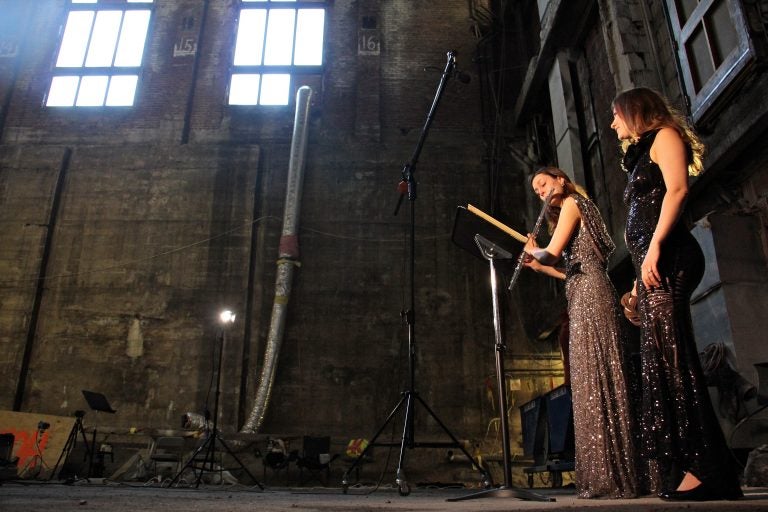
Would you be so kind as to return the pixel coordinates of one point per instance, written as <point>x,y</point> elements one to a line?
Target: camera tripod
<point>77,429</point>
<point>410,397</point>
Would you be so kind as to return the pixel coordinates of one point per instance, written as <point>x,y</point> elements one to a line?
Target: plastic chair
<point>315,458</point>
<point>167,450</point>
<point>277,458</point>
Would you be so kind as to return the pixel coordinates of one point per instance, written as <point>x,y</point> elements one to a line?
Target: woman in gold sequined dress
<point>680,435</point>
<point>605,460</point>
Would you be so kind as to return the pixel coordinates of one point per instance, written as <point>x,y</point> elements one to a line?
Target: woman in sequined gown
<point>680,436</point>
<point>605,454</point>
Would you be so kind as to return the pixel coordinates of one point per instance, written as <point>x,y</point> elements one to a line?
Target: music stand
<point>97,401</point>
<point>471,227</point>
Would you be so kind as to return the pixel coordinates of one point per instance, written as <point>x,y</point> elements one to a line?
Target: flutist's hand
<point>541,256</point>
<point>532,263</point>
<point>531,244</point>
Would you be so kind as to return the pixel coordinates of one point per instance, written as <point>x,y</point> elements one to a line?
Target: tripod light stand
<point>212,434</point>
<point>409,397</point>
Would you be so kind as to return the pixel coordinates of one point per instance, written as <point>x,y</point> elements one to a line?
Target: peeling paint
<point>135,345</point>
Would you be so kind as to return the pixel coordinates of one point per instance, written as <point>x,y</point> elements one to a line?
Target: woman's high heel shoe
<point>699,493</point>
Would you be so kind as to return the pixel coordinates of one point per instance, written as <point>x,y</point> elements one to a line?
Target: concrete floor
<point>26,496</point>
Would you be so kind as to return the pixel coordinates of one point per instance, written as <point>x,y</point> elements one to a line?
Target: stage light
<point>227,317</point>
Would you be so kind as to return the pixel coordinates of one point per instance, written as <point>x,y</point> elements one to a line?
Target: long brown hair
<point>553,212</point>
<point>644,109</point>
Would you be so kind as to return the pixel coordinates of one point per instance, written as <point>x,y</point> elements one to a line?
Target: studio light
<point>227,317</point>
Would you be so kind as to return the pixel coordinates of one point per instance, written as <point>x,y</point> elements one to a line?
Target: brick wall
<point>154,236</point>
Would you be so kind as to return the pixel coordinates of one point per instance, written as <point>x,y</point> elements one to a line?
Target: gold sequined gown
<point>605,454</point>
<point>679,429</point>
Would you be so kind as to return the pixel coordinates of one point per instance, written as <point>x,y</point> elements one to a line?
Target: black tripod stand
<point>212,436</point>
<point>77,429</point>
<point>410,397</point>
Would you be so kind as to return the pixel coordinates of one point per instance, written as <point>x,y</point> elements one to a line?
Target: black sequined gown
<point>679,429</point>
<point>605,453</point>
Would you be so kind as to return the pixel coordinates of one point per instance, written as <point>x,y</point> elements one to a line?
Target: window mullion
<point>295,30</point>
<point>77,91</point>
<point>90,38</point>
<point>117,40</point>
<point>264,36</point>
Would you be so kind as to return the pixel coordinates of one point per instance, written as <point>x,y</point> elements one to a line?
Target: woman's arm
<point>549,270</point>
<point>668,152</point>
<point>570,216</point>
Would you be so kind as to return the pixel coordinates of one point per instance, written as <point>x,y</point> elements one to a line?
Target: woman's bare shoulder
<point>668,139</point>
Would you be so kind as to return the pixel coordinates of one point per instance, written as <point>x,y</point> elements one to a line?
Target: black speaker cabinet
<point>547,423</point>
<point>534,421</point>
<point>560,423</point>
<point>6,447</point>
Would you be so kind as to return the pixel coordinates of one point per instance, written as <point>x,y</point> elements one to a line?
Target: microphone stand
<point>408,185</point>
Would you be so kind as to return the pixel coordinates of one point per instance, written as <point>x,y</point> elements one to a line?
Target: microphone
<point>456,72</point>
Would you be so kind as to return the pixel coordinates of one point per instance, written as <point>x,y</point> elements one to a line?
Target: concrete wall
<point>171,210</point>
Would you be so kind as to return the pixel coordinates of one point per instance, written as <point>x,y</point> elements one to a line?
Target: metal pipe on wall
<point>288,260</point>
<point>187,127</point>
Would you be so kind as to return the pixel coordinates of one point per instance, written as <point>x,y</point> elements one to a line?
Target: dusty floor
<point>25,496</point>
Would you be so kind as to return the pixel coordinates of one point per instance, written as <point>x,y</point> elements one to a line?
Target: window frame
<point>292,70</point>
<point>109,71</point>
<point>730,71</point>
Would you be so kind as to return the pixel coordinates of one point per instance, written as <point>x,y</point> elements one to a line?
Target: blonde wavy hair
<point>644,109</point>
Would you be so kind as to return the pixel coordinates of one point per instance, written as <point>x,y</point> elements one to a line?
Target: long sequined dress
<point>679,429</point>
<point>605,454</point>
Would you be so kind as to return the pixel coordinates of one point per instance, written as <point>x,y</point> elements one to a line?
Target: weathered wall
<point>627,45</point>
<point>172,209</point>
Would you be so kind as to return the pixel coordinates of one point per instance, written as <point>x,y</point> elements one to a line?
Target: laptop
<point>97,401</point>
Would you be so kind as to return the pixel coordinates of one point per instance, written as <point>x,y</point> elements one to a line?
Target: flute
<point>536,227</point>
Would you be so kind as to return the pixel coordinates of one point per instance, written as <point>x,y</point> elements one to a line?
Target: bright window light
<point>272,46</point>
<point>75,40</point>
<point>109,43</point>
<point>244,89</point>
<point>92,91</point>
<point>274,89</point>
<point>309,37</point>
<point>249,46</point>
<point>63,91</point>
<point>103,39</point>
<point>279,37</point>
<point>130,47</point>
<point>122,89</point>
